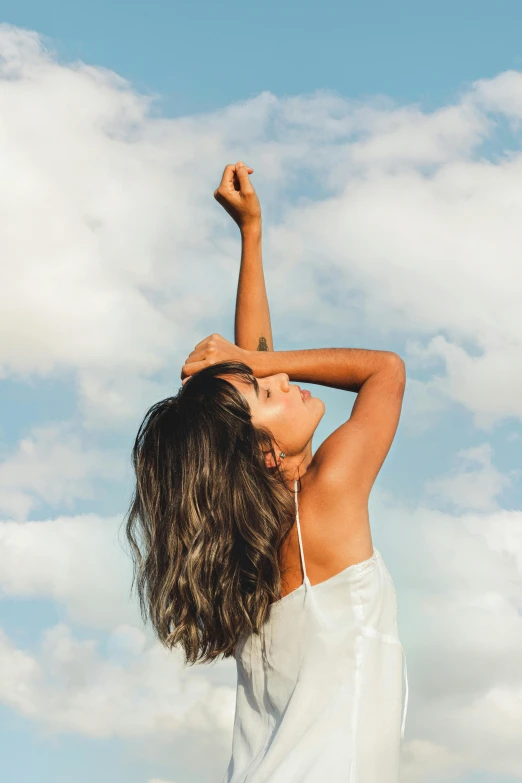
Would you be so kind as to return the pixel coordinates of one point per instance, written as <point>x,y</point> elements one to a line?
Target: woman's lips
<point>305,394</point>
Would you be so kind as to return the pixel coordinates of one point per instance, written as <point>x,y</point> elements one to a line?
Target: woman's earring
<point>282,454</point>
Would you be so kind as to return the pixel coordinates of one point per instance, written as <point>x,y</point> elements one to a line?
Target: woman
<point>247,544</point>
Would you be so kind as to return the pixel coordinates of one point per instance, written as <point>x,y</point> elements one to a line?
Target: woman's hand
<point>237,196</point>
<point>211,350</point>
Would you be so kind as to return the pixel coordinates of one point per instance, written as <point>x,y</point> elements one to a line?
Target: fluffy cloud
<point>81,562</point>
<point>460,618</point>
<point>52,464</point>
<point>420,232</point>
<point>468,487</point>
<point>70,687</point>
<point>136,691</point>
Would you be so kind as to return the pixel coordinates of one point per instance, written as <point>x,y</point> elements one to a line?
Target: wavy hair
<point>208,518</point>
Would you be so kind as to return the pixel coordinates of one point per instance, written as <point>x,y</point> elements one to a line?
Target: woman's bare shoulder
<point>335,527</point>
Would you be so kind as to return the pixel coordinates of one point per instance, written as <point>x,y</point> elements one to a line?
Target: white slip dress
<point>319,690</point>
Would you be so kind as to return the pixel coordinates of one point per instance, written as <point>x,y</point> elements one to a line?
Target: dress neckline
<point>355,568</point>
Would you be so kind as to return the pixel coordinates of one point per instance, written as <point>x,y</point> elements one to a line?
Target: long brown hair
<point>208,518</point>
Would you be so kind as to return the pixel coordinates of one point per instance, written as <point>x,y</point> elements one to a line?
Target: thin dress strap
<point>405,707</point>
<point>305,578</point>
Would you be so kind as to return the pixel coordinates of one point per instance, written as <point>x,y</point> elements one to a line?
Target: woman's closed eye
<point>268,393</point>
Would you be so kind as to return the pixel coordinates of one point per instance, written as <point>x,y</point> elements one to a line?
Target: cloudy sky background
<point>386,149</point>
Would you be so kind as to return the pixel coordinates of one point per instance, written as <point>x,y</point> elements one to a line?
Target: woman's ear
<point>269,459</point>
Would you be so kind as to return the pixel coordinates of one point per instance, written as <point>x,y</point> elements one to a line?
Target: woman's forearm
<point>252,328</point>
<point>340,368</point>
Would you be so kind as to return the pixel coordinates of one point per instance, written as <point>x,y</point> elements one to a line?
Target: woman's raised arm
<point>252,328</point>
<point>236,194</point>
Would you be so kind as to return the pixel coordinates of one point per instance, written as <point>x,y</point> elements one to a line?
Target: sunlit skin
<point>291,420</point>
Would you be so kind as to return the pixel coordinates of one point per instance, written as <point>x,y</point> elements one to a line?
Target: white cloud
<point>80,562</point>
<point>423,237</point>
<point>136,691</point>
<point>503,94</point>
<point>468,487</point>
<point>423,760</point>
<point>70,687</point>
<point>53,464</point>
<point>460,617</point>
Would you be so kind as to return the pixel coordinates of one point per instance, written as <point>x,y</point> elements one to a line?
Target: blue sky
<point>199,56</point>
<point>386,146</point>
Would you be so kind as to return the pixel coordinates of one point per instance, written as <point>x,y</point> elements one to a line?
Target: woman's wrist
<point>262,362</point>
<point>251,228</point>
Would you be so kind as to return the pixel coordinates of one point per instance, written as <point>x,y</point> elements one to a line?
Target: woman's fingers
<point>198,358</point>
<point>211,350</point>
<point>204,340</point>
<point>228,177</point>
<point>242,175</point>
<point>190,368</point>
<point>227,180</point>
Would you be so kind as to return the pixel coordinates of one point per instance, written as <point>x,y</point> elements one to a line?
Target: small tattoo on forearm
<point>263,346</point>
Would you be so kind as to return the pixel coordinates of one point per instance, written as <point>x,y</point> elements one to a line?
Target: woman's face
<point>290,416</point>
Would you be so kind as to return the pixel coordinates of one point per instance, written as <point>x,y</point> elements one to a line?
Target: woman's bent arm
<point>340,368</point>
<point>252,328</point>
